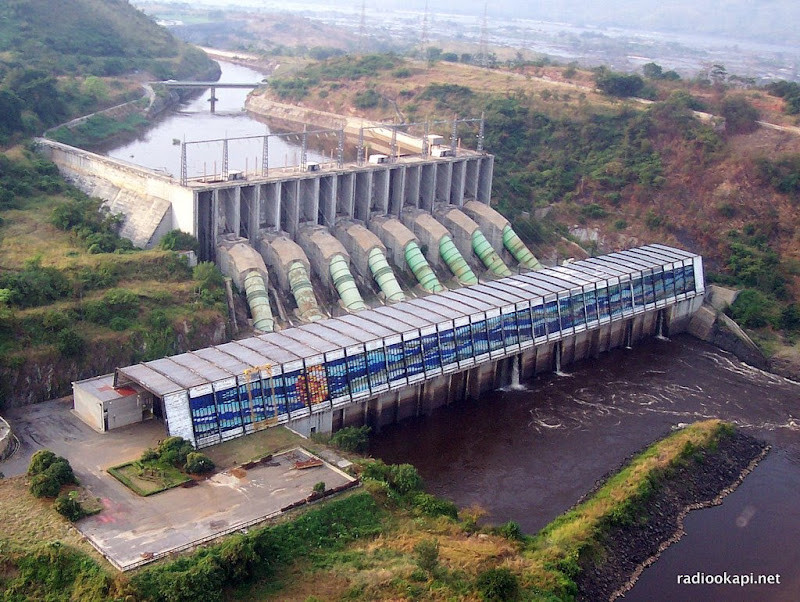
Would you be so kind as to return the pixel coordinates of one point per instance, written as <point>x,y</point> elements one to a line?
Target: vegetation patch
<point>162,468</point>
<point>148,480</point>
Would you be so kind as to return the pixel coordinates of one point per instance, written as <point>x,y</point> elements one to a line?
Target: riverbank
<point>699,479</point>
<point>394,541</point>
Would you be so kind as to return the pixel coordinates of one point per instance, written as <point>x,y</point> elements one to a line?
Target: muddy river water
<point>529,453</point>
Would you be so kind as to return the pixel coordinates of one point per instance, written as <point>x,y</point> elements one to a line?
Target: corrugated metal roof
<point>203,368</point>
<point>428,310</point>
<point>223,360</point>
<point>153,381</point>
<point>342,339</point>
<point>177,373</point>
<point>396,312</point>
<point>310,340</point>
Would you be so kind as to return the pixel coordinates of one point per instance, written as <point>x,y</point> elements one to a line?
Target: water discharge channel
<point>530,452</point>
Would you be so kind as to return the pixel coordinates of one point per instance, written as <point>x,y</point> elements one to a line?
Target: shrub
<point>70,343</point>
<point>498,584</point>
<point>740,116</point>
<point>431,505</point>
<point>69,507</point>
<point>197,463</point>
<point>40,461</point>
<point>208,275</point>
<point>367,99</point>
<point>404,478</point>
<point>510,530</point>
<point>427,555</point>
<point>352,439</point>
<point>174,450</point>
<point>753,309</point>
<point>61,471</point>
<point>594,211</point>
<point>319,487</point>
<point>176,240</point>
<point>44,485</point>
<point>148,455</point>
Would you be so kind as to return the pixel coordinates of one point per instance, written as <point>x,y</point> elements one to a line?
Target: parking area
<point>132,529</point>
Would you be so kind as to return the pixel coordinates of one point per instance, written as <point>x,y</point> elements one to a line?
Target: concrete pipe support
<point>456,262</point>
<point>258,300</point>
<point>384,276</point>
<point>307,307</point>
<point>518,249</point>
<point>421,269</point>
<point>488,255</point>
<point>345,285</point>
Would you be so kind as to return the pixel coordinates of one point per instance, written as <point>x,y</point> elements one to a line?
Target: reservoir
<point>159,147</point>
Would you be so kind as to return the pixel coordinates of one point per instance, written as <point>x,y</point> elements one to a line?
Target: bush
<point>44,485</point>
<point>69,507</point>
<point>740,116</point>
<point>367,99</point>
<point>197,463</point>
<point>431,505</point>
<point>427,555</point>
<point>70,343</point>
<point>404,478</point>
<point>510,530</point>
<point>61,471</point>
<point>148,455</point>
<point>498,584</point>
<point>319,487</point>
<point>174,450</point>
<point>753,309</point>
<point>352,439</point>
<point>177,240</point>
<point>40,461</point>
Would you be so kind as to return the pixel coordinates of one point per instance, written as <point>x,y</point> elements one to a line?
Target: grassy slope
<point>161,285</point>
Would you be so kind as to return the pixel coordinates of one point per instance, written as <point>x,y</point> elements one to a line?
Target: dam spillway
<point>389,363</point>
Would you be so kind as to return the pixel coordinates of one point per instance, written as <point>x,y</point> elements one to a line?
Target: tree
<point>652,71</point>
<point>619,84</point>
<point>10,112</point>
<point>177,240</point>
<point>740,116</point>
<point>718,74</point>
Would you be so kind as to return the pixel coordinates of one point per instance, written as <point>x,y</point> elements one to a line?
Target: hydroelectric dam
<point>383,288</point>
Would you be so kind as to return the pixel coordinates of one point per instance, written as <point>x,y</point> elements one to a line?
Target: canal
<point>529,453</point>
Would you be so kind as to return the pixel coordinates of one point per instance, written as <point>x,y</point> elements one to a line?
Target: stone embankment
<point>702,480</point>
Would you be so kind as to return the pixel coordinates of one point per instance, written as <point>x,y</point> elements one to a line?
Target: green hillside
<point>63,58</point>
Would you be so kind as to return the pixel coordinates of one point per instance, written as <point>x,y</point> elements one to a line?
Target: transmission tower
<point>484,43</point>
<point>423,40</point>
<point>362,27</point>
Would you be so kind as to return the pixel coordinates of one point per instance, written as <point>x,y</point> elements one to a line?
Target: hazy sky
<point>772,21</point>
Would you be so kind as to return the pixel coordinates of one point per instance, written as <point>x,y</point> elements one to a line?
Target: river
<point>159,147</point>
<point>528,454</point>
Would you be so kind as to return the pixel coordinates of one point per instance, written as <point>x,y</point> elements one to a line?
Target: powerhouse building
<point>230,390</point>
